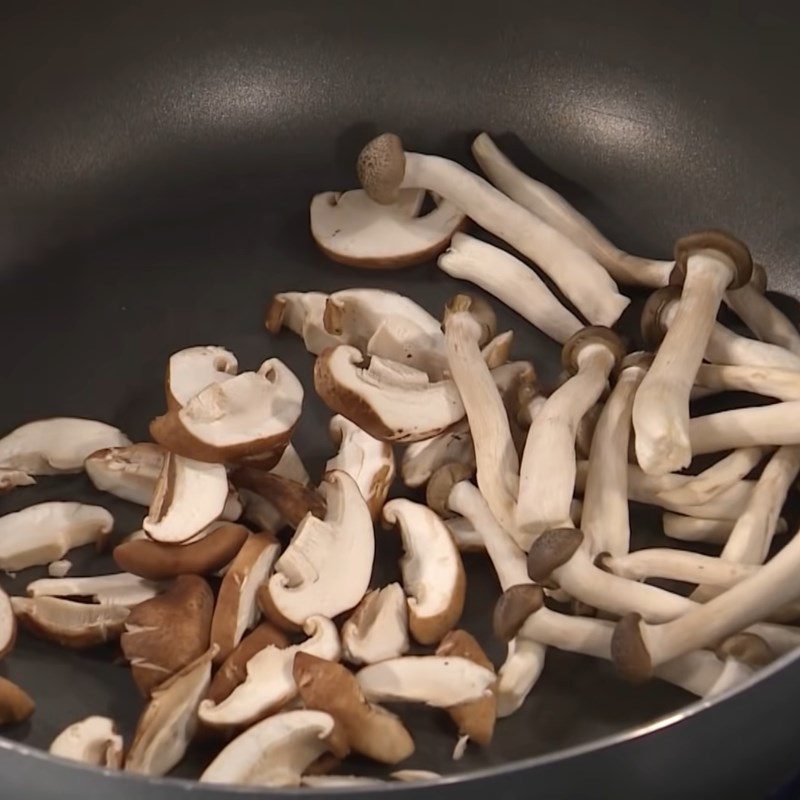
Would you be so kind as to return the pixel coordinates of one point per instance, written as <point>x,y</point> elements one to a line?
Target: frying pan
<point>156,162</point>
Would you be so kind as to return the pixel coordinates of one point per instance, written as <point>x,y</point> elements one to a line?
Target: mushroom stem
<point>696,529</point>
<point>775,425</point>
<point>384,168</point>
<point>782,384</point>
<point>604,517</point>
<point>710,263</point>
<point>547,475</point>
<point>510,281</point>
<point>518,674</point>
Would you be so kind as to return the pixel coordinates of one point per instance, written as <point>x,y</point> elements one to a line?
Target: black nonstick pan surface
<point>156,163</point>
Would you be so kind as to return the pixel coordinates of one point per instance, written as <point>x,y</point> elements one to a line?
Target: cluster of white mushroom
<point>258,662</point>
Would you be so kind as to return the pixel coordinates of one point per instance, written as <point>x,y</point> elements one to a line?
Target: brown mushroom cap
<point>478,309</point>
<point>441,483</point>
<point>758,280</point>
<point>381,167</point>
<point>747,648</point>
<point>722,241</point>
<point>551,550</point>
<point>592,334</point>
<point>628,650</point>
<point>370,730</point>
<point>276,310</point>
<point>652,327</point>
<point>293,500</point>
<point>16,705</point>
<point>166,633</point>
<point>585,431</point>
<point>640,359</point>
<point>514,606</point>
<point>157,561</point>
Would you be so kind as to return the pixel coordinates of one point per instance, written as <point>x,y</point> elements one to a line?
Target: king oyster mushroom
<point>707,264</point>
<point>774,425</point>
<point>45,532</point>
<point>378,628</point>
<point>247,418</point>
<point>547,474</point>
<point>93,740</point>
<point>384,169</point>
<point>782,384</point>
<point>696,529</point>
<point>353,229</point>
<point>191,370</point>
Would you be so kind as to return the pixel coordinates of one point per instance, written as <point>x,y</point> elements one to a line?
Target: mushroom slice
<point>128,472</point>
<point>512,282</point>
<point>369,729</point>
<point>551,207</point>
<point>415,775</point>
<point>433,574</point>
<point>237,610</point>
<point>156,561</point>
<point>16,705</point>
<point>189,496</point>
<point>291,466</point>
<point>251,416</point>
<point>69,623</point>
<point>291,500</point>
<point>325,569</point>
<point>189,371</point>
<point>45,532</point>
<point>437,681</point>
<point>518,674</point>
<point>302,313</point>
<point>378,628</point>
<point>56,445</point>
<point>269,685</point>
<point>166,633</point>
<point>352,229</point>
<point>120,589</point>
<point>367,460</point>
<point>384,168</point>
<point>13,478</point>
<point>93,740</point>
<point>277,751</point>
<point>548,468</point>
<point>475,719</point>
<point>8,624</point>
<point>422,459</point>
<point>338,781</point>
<point>168,723</point>
<point>59,568</point>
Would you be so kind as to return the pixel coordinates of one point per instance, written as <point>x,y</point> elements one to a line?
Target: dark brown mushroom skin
<point>441,483</point>
<point>16,705</point>
<point>628,650</point>
<point>293,500</point>
<point>273,318</point>
<point>747,648</point>
<point>513,607</point>
<point>721,241</point>
<point>551,550</point>
<point>381,167</point>
<point>651,323</point>
<point>592,334</point>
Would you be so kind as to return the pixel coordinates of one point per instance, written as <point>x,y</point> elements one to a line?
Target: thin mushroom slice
<point>433,573</point>
<point>384,169</point>
<point>119,589</point>
<point>16,705</point>
<point>369,729</point>
<point>128,472</point>
<point>249,417</point>
<point>415,776</point>
<point>13,479</point>
<point>548,469</point>
<point>69,623</point>
<point>367,460</point>
<point>291,500</point>
<point>553,209</point>
<point>93,740</point>
<point>168,723</point>
<point>707,264</point>
<point>338,781</point>
<point>302,313</point>
<point>166,633</point>
<point>237,609</point>
<point>268,684</point>
<point>378,628</point>
<point>325,569</point>
<point>8,624</point>
<point>56,445</point>
<point>191,370</point>
<point>437,681</point>
<point>45,532</point>
<point>277,751</point>
<point>353,229</point>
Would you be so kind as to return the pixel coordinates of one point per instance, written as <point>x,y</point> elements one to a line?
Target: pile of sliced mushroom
<point>246,607</point>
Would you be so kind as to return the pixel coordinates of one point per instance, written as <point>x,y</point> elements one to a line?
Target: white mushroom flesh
<point>189,371</point>
<point>378,628</point>
<point>121,589</point>
<point>93,740</point>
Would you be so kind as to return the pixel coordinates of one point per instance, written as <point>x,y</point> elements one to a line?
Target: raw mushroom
<point>291,466</point>
<point>378,628</point>
<point>547,474</point>
<point>338,781</point>
<point>128,472</point>
<point>415,775</point>
<point>367,460</point>
<point>277,751</point>
<point>168,723</point>
<point>604,517</point>
<point>69,623</point>
<point>120,589</point>
<point>497,351</point>
<point>437,491</point>
<point>510,281</point>
<point>14,478</point>
<point>56,445</point>
<point>433,574</point>
<point>59,568</point>
<point>291,500</point>
<point>695,529</point>
<point>325,569</point>
<point>776,425</point>
<point>743,654</point>
<point>369,729</point>
<point>352,229</point>
<point>249,418</point>
<point>302,313</point>
<point>16,705</point>
<point>268,685</point>
<point>189,496</point>
<point>166,633</point>
<point>93,740</point>
<point>237,609</point>
<point>437,681</point>
<point>191,370</point>
<point>782,384</point>
<point>518,674</point>
<point>45,532</point>
<point>8,624</point>
<point>157,561</point>
<point>384,168</point>
<point>554,210</point>
<point>707,263</point>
